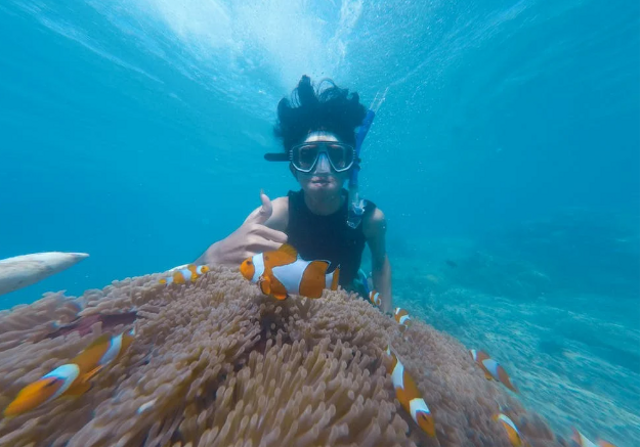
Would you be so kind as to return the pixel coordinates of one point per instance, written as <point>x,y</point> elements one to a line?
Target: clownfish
<point>492,369</point>
<point>512,431</point>
<point>402,317</point>
<point>409,396</point>
<point>183,275</point>
<point>281,272</point>
<point>581,440</point>
<point>71,379</point>
<point>374,297</point>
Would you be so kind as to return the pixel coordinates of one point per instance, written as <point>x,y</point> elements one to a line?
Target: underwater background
<point>506,158</point>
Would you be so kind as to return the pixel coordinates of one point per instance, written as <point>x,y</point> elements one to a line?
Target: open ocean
<point>506,159</point>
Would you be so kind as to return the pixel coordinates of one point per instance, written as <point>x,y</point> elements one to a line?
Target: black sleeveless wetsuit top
<point>327,238</point>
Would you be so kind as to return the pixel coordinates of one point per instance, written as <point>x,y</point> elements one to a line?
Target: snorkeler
<point>317,130</point>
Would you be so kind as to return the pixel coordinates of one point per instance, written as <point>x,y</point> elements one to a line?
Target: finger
<point>271,234</point>
<point>264,245</point>
<point>262,214</point>
<point>265,210</point>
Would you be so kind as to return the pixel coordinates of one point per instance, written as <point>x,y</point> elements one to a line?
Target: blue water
<point>134,131</point>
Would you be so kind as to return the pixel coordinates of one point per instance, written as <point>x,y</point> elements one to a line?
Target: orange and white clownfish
<point>104,350</point>
<point>512,431</point>
<point>374,297</point>
<point>71,379</point>
<point>581,440</point>
<point>402,317</point>
<point>492,369</point>
<point>409,396</point>
<point>282,272</point>
<point>186,274</point>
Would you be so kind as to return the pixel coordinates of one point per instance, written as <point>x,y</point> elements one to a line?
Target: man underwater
<point>317,130</point>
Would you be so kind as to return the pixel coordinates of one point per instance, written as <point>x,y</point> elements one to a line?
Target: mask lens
<point>305,156</point>
<point>341,156</point>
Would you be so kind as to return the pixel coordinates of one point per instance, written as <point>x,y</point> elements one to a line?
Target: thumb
<point>265,211</point>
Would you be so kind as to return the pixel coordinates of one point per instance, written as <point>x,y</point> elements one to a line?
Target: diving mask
<point>304,157</point>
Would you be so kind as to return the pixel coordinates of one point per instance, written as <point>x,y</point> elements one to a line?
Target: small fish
<point>22,271</point>
<point>45,389</point>
<point>104,350</point>
<point>581,440</point>
<point>409,396</point>
<point>71,379</point>
<point>83,324</point>
<point>282,272</point>
<point>402,317</point>
<point>374,297</point>
<point>492,369</point>
<point>185,274</point>
<point>451,263</point>
<point>512,431</point>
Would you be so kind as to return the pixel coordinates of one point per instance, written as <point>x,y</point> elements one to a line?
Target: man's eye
<point>307,153</point>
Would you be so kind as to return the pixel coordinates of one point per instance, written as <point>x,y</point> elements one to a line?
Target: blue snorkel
<point>356,208</point>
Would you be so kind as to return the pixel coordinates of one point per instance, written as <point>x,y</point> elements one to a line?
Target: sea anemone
<point>216,363</point>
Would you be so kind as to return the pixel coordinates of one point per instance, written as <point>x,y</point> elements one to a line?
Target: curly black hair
<point>331,109</point>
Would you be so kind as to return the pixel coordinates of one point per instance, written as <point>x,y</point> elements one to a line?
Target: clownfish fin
<point>509,384</point>
<point>336,278</point>
<point>505,379</point>
<point>317,267</point>
<point>88,376</point>
<point>163,281</point>
<point>289,250</point>
<point>101,340</point>
<point>78,388</point>
<point>264,284</point>
<point>280,296</point>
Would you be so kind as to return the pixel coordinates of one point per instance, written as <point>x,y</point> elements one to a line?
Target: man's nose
<point>322,166</point>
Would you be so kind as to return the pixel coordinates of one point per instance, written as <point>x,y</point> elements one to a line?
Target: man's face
<point>323,181</point>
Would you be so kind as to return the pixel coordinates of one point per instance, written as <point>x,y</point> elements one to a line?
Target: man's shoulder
<point>282,202</point>
<point>374,223</point>
<point>376,217</point>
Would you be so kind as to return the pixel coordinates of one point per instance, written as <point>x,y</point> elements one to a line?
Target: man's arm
<point>375,229</point>
<point>263,230</point>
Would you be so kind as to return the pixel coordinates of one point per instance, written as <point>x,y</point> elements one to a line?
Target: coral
<point>215,363</point>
